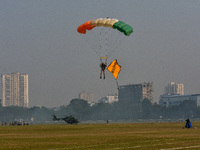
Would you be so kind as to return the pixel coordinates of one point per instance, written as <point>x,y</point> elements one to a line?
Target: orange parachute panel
<point>86,26</point>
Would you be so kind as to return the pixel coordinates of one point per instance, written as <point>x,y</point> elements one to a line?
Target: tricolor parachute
<point>104,35</point>
<point>106,22</point>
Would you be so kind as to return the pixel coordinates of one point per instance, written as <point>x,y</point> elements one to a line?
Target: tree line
<point>117,111</point>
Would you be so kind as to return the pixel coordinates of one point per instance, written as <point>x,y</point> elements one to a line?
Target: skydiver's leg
<point>104,74</point>
<point>101,73</point>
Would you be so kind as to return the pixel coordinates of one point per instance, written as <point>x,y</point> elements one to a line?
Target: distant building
<point>87,96</point>
<point>15,91</point>
<point>136,91</point>
<point>174,89</point>
<point>109,99</point>
<point>171,100</point>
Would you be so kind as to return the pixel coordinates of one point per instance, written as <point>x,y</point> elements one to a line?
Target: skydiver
<point>103,68</point>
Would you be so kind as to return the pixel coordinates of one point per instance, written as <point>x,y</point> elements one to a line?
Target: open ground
<point>113,136</point>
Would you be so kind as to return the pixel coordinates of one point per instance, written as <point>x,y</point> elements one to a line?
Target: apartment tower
<point>174,89</point>
<point>15,90</point>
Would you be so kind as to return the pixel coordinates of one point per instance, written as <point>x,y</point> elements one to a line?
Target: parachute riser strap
<point>103,58</point>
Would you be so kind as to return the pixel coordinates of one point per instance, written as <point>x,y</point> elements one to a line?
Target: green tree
<point>79,108</point>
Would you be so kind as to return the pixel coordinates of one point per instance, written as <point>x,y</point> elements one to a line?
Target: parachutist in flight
<point>103,66</point>
<point>105,40</point>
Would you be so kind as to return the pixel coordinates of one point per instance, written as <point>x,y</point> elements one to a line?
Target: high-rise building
<point>87,96</point>
<point>15,90</point>
<point>174,89</point>
<point>136,91</point>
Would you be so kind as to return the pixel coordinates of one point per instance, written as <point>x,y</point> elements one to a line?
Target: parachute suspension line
<point>104,40</point>
<point>118,41</point>
<point>109,38</point>
<point>114,39</point>
<point>91,42</point>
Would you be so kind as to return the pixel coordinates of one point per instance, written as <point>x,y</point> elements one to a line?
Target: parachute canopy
<point>106,22</point>
<point>114,68</point>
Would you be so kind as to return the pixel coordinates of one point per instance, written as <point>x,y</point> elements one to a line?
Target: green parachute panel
<point>123,27</point>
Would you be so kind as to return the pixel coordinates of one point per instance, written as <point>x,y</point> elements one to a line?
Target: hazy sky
<point>39,37</point>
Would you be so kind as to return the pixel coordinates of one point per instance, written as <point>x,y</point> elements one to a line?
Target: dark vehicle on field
<point>68,119</point>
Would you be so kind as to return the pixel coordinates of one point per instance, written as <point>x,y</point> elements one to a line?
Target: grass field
<point>114,136</point>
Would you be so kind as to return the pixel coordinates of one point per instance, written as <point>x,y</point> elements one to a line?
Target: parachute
<point>106,22</point>
<point>104,35</point>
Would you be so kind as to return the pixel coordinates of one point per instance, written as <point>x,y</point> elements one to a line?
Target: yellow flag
<point>114,68</point>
